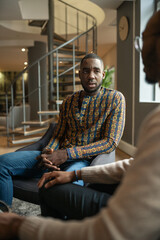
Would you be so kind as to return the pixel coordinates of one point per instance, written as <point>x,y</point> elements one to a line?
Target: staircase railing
<point>77,20</point>
<point>54,53</point>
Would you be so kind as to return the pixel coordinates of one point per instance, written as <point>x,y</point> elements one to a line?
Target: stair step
<point>37,123</point>
<point>70,52</point>
<point>67,83</point>
<point>59,42</point>
<point>58,37</point>
<point>25,140</point>
<point>31,132</point>
<point>36,23</point>
<point>65,66</point>
<point>36,131</point>
<point>64,92</point>
<point>55,35</point>
<point>69,59</point>
<point>48,112</point>
<point>56,101</point>
<point>66,75</point>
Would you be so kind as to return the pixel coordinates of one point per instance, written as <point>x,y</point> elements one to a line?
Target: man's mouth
<point>91,84</point>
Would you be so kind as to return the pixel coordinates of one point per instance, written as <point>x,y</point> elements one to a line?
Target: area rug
<point>25,208</point>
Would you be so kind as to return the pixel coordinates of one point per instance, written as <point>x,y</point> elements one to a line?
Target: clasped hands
<point>52,159</point>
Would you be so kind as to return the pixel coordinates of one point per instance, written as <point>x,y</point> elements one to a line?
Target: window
<point>148,93</point>
<point>157,5</point>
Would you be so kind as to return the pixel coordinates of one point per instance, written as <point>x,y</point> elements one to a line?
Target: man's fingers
<point>45,160</point>
<point>45,177</point>
<point>51,167</point>
<point>50,183</point>
<point>40,183</point>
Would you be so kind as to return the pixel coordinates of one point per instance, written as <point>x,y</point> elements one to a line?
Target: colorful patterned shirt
<point>94,129</point>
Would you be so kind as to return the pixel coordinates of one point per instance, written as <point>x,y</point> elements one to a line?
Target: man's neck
<point>92,93</point>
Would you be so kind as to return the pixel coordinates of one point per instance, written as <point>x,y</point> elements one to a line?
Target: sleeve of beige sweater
<point>132,213</point>
<point>107,173</point>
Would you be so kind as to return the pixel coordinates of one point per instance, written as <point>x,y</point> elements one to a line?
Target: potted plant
<point>107,80</point>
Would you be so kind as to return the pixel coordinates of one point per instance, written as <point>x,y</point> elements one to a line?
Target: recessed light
<point>23,49</point>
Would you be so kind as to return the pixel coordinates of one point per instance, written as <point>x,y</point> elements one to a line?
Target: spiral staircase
<point>62,60</point>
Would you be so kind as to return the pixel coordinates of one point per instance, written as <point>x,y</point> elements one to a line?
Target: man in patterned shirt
<point>91,123</point>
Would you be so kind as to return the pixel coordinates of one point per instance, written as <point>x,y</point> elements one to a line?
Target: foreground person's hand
<point>9,225</point>
<point>53,178</point>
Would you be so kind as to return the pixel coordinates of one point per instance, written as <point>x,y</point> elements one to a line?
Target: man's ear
<point>103,74</point>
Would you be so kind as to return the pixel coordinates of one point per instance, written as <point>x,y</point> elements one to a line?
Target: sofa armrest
<point>42,142</point>
<point>104,159</point>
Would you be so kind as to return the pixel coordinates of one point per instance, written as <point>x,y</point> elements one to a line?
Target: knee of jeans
<point>4,161</point>
<point>4,171</point>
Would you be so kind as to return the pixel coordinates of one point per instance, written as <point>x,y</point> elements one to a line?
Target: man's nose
<point>91,74</point>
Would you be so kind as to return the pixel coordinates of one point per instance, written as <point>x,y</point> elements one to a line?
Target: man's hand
<point>9,225</point>
<point>56,178</point>
<point>52,159</point>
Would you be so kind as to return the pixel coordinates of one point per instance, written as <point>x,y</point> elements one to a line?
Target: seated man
<point>91,122</point>
<point>69,201</point>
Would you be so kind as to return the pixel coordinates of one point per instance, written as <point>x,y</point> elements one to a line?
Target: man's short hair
<point>91,55</point>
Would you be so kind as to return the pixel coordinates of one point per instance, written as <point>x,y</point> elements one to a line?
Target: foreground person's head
<point>151,49</point>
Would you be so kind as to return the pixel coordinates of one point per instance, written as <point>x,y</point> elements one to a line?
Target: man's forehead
<point>94,62</point>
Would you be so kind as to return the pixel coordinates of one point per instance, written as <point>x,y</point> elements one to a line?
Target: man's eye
<point>85,71</point>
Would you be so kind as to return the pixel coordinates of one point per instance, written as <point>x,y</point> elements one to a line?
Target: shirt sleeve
<point>113,131</point>
<point>108,173</point>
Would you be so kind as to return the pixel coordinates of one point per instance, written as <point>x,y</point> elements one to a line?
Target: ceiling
<point>11,42</point>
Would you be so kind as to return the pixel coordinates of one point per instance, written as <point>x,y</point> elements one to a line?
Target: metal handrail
<point>56,50</point>
<point>49,53</point>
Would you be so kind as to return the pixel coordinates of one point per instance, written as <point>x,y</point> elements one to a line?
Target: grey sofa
<point>15,116</point>
<point>26,189</point>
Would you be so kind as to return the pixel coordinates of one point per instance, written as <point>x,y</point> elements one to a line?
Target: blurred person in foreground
<point>134,210</point>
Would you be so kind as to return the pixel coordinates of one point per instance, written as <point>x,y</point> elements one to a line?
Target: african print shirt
<point>94,129</point>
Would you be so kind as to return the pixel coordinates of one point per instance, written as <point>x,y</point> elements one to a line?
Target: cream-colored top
<point>133,213</point>
<point>108,173</point>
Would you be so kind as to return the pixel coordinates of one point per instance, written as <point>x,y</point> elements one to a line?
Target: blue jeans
<point>24,163</point>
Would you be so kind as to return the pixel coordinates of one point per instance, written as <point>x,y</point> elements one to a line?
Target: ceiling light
<point>23,49</point>
<point>25,63</point>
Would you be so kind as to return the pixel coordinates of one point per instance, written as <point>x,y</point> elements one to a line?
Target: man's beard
<point>92,90</point>
<point>150,80</point>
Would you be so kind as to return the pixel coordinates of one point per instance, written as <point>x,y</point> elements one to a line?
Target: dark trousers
<point>70,201</point>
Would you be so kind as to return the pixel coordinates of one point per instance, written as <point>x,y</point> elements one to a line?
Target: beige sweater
<point>133,213</point>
